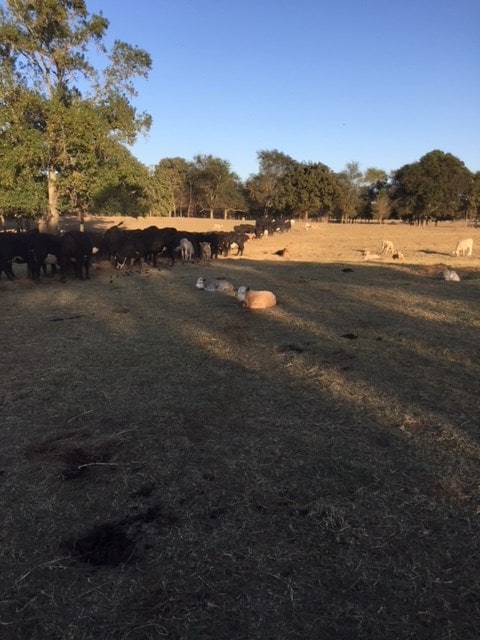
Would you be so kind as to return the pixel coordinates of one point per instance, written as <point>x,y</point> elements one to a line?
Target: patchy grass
<point>175,467</point>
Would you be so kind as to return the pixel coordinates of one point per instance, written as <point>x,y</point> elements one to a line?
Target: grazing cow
<point>464,247</point>
<point>387,247</point>
<point>251,299</point>
<point>76,249</point>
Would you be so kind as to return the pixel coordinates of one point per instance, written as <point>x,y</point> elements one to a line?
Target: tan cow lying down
<point>252,299</point>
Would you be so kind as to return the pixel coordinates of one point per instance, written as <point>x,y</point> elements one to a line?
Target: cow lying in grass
<point>216,284</point>
<point>252,299</point>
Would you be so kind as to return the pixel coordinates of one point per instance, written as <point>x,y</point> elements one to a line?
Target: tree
<point>43,61</point>
<point>351,179</point>
<point>120,185</point>
<point>376,194</point>
<point>438,184</point>
<point>212,179</point>
<point>473,204</point>
<point>263,189</point>
<point>308,188</point>
<point>169,187</point>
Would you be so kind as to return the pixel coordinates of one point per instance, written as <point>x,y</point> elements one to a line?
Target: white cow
<point>216,284</point>
<point>387,246</point>
<point>464,247</point>
<point>185,247</point>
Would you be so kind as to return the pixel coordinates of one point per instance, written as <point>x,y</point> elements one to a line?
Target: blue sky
<point>381,82</point>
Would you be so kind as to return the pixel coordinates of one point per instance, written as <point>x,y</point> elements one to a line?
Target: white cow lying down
<point>215,284</point>
<point>464,247</point>
<point>252,299</point>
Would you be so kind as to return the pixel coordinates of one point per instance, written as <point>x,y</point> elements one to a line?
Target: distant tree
<point>473,203</point>
<point>264,189</point>
<point>438,184</point>
<point>306,189</point>
<point>211,179</point>
<point>375,194</point>
<point>351,179</point>
<point>169,187</point>
<point>43,57</point>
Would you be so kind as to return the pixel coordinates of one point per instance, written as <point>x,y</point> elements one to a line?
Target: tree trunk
<point>50,221</point>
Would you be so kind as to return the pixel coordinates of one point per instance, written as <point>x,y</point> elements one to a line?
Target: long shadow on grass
<point>293,473</point>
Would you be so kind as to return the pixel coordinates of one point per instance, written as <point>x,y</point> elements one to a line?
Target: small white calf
<point>185,247</point>
<point>387,246</point>
<point>464,247</point>
<point>251,299</point>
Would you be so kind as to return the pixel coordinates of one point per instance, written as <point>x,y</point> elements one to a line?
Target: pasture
<point>174,466</point>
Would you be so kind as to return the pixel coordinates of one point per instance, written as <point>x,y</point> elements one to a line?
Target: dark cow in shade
<point>45,249</point>
<point>13,247</point>
<point>76,250</point>
<point>127,247</point>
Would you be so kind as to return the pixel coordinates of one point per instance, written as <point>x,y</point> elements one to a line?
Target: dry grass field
<point>174,466</point>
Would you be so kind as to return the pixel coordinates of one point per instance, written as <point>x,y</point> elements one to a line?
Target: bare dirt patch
<point>176,467</point>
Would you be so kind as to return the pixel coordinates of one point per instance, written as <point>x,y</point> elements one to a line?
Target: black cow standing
<point>45,249</point>
<point>76,250</point>
<point>14,247</point>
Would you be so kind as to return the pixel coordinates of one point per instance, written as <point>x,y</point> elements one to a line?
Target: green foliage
<point>213,184</point>
<point>306,189</point>
<point>438,184</point>
<point>262,189</point>
<point>168,187</point>
<point>68,139</point>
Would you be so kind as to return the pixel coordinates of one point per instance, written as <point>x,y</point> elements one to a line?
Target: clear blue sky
<point>381,82</point>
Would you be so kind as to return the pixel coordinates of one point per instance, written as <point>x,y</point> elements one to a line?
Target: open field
<point>173,466</point>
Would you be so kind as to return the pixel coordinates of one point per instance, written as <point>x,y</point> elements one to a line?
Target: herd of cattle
<point>124,248</point>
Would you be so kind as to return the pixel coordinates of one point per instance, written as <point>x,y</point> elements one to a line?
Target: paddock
<point>175,466</point>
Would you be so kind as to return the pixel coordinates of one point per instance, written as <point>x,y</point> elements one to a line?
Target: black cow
<point>76,249</point>
<point>127,247</point>
<point>45,248</point>
<point>234,238</point>
<point>13,247</point>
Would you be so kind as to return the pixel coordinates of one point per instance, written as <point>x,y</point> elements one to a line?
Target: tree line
<point>65,129</point>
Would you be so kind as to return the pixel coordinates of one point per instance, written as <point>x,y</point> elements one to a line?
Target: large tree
<point>169,187</point>
<point>439,184</point>
<point>351,181</point>
<point>74,110</point>
<point>308,188</point>
<point>263,189</point>
<point>213,183</point>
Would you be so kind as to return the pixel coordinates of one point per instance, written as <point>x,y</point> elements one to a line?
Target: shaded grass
<point>173,466</point>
